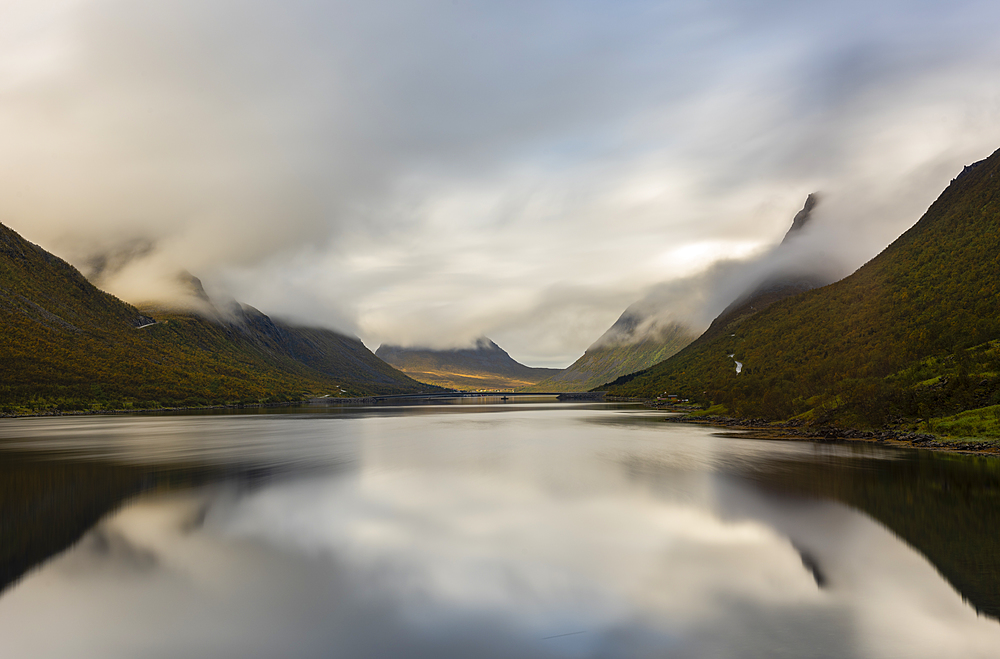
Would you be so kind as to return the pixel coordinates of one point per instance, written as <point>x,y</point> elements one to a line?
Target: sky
<point>424,172</point>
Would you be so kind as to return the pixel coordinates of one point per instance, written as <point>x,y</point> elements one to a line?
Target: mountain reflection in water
<point>537,531</point>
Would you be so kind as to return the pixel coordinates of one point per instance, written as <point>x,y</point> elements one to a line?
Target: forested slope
<point>65,344</point>
<point>909,334</point>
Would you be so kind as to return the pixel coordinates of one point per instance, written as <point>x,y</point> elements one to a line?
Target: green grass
<point>715,410</point>
<point>981,423</point>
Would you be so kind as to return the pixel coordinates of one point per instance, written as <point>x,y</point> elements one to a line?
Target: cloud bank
<point>427,172</point>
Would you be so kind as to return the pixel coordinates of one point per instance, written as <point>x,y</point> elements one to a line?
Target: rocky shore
<point>798,430</point>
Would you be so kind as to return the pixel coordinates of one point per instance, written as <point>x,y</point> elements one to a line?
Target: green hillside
<point>617,353</point>
<point>910,335</point>
<point>66,345</point>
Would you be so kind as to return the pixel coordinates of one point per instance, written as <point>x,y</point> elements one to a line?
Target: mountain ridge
<point>639,339</point>
<point>912,334</point>
<point>483,366</point>
<point>777,285</point>
<point>618,352</point>
<point>67,345</point>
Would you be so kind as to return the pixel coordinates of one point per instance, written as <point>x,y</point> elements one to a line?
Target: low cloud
<point>430,172</point>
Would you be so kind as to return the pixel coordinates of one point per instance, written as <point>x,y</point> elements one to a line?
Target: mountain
<point>913,334</point>
<point>641,337</point>
<point>628,346</point>
<point>484,366</point>
<point>783,279</point>
<point>67,345</point>
<point>802,218</point>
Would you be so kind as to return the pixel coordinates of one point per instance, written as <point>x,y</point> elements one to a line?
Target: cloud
<point>432,171</point>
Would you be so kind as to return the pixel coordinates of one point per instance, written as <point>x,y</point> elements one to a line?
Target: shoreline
<point>798,431</point>
<point>307,402</point>
<point>146,410</point>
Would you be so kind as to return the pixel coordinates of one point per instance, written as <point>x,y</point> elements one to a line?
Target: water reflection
<point>576,532</point>
<point>946,506</point>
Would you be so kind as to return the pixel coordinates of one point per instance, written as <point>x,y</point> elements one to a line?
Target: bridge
<point>451,395</point>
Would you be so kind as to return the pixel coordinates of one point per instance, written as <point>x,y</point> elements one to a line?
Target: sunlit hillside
<point>484,366</point>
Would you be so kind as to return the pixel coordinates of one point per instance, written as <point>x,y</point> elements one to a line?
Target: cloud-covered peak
<point>434,171</point>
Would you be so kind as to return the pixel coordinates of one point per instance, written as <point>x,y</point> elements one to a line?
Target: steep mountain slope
<point>626,347</point>
<point>67,345</point>
<point>338,356</point>
<point>641,337</point>
<point>873,345</point>
<point>486,366</point>
<point>784,281</point>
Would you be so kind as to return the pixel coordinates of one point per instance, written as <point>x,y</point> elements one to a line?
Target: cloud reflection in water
<point>488,538</point>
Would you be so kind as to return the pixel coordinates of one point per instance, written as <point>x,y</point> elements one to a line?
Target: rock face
<point>802,217</point>
<point>483,366</point>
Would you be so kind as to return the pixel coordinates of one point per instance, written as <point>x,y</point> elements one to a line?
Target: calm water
<point>542,530</point>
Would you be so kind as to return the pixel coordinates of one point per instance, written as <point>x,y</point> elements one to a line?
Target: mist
<point>812,254</point>
<point>426,173</point>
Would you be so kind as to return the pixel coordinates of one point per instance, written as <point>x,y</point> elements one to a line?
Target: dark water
<point>521,530</point>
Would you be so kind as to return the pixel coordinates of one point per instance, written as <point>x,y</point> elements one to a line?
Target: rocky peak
<point>802,217</point>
